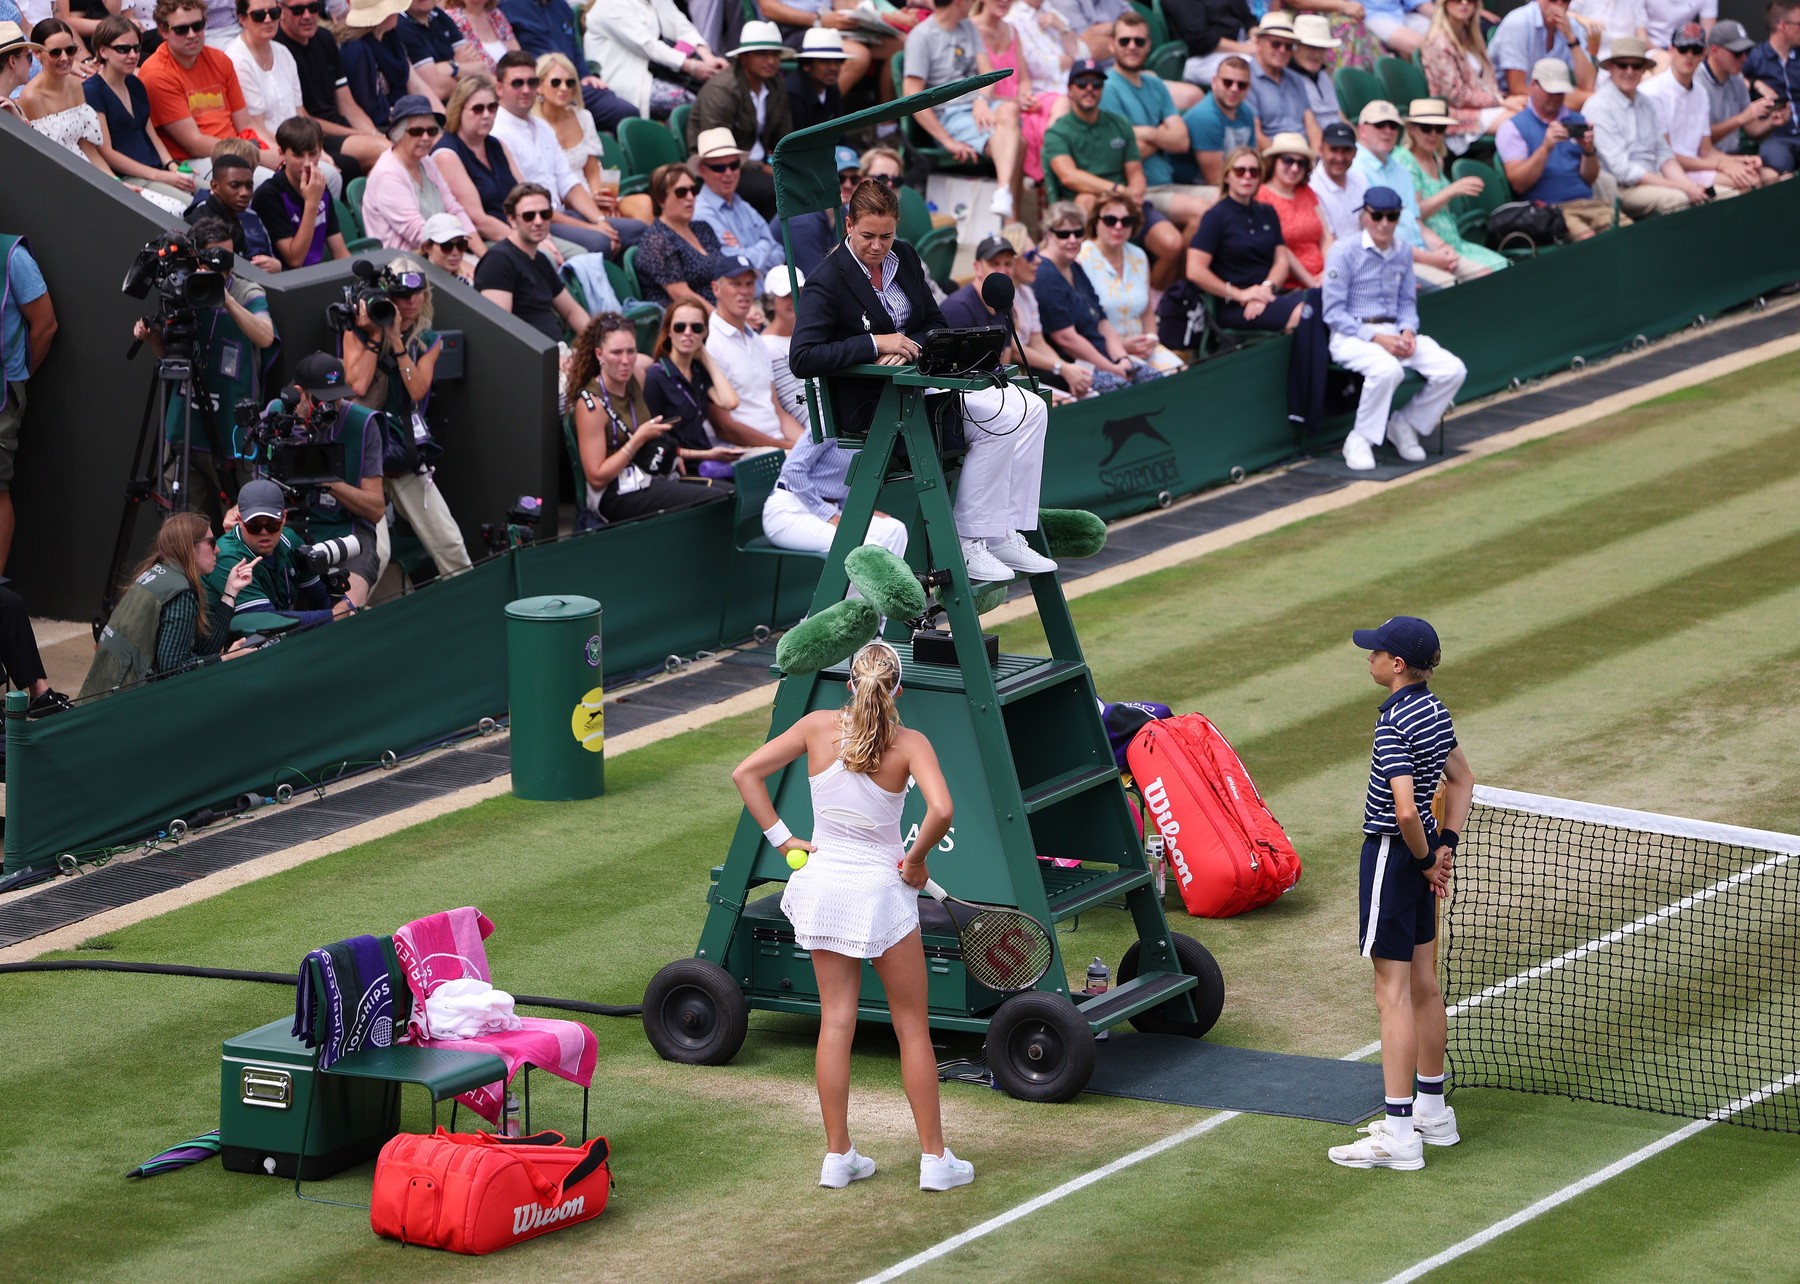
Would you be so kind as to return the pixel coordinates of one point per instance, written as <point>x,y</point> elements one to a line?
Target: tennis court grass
<point>1617,607</point>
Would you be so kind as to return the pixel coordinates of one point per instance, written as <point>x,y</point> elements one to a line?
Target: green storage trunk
<point>266,1086</point>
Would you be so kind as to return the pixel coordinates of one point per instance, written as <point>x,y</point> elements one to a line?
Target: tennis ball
<point>796,857</point>
<point>588,721</point>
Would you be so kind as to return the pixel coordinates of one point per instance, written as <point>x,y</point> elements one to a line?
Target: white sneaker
<point>1438,1131</point>
<point>1380,1150</point>
<point>840,1170</point>
<point>944,1172</point>
<point>1013,551</point>
<point>983,566</point>
<point>1002,204</point>
<point>1405,440</point>
<point>1358,454</point>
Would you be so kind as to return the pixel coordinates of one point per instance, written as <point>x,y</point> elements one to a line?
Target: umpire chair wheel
<point>695,1013</point>
<point>1039,1048</point>
<point>1209,996</point>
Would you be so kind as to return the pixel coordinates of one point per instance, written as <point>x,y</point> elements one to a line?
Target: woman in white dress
<point>857,895</point>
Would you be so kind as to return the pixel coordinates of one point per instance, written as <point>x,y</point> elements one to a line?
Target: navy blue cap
<point>409,105</point>
<point>1338,134</point>
<point>1085,67</point>
<point>1406,636</point>
<point>1381,198</point>
<point>728,264</point>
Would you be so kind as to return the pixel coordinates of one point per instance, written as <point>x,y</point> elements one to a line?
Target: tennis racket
<point>1004,948</point>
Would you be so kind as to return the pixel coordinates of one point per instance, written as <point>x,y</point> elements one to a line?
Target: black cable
<point>287,979</point>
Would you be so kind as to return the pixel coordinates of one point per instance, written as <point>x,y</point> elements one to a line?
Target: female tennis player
<point>857,895</point>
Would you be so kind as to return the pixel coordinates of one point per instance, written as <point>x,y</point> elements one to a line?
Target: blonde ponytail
<point>871,717</point>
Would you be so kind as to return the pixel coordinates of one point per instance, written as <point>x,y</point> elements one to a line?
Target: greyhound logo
<point>1119,431</point>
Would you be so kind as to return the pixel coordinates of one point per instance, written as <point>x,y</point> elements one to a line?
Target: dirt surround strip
<point>67,938</point>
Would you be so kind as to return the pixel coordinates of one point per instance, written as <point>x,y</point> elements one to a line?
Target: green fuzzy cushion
<point>886,581</point>
<point>987,596</point>
<point>1072,532</point>
<point>832,635</point>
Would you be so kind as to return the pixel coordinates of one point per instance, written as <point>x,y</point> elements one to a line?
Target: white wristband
<point>778,833</point>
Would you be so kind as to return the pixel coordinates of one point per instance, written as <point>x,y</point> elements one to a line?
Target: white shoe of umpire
<point>1013,551</point>
<point>1358,454</point>
<point>1380,1150</point>
<point>1002,204</point>
<point>984,567</point>
<point>1439,1131</point>
<point>1405,440</point>
<point>944,1172</point>
<point>840,1170</point>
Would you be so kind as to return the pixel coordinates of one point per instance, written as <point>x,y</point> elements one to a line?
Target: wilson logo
<point>1156,797</point>
<point>1010,952</point>
<point>530,1217</point>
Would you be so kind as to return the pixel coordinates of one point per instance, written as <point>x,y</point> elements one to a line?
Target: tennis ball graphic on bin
<point>588,721</point>
<point>796,857</point>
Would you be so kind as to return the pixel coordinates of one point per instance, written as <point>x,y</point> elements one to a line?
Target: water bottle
<point>1098,977</point>
<point>510,1122</point>
<point>1155,850</point>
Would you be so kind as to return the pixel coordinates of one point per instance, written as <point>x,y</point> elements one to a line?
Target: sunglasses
<point>1278,45</point>
<point>1094,83</point>
<point>423,131</point>
<point>1223,83</point>
<point>533,216</point>
<point>1431,129</point>
<point>722,167</point>
<point>522,82</point>
<point>65,51</point>
<point>1065,233</point>
<point>1690,49</point>
<point>458,246</point>
<point>210,539</point>
<point>1118,220</point>
<point>1291,160</point>
<point>124,50</point>
<point>682,193</point>
<point>558,82</point>
<point>849,178</point>
<point>1130,42</point>
<point>481,109</point>
<point>1247,171</point>
<point>263,15</point>
<point>687,327</point>
<point>1387,124</point>
<point>263,525</point>
<point>1630,66</point>
<point>298,9</point>
<point>1385,216</point>
<point>887,180</point>
<point>186,29</point>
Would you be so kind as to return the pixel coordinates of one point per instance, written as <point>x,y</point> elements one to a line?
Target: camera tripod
<point>161,467</point>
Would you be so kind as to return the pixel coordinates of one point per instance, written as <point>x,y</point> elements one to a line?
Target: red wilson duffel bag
<point>1226,850</point>
<point>471,1192</point>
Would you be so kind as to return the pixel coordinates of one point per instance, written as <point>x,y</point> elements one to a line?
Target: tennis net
<point>1626,957</point>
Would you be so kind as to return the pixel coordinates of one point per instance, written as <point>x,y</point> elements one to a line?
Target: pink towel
<point>447,946</point>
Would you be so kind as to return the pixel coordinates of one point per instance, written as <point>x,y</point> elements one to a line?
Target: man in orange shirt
<point>195,98</point>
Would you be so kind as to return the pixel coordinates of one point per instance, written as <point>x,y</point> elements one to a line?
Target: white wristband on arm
<point>778,833</point>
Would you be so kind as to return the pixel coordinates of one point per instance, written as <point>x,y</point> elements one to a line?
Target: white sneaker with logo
<point>1439,1130</point>
<point>840,1170</point>
<point>984,567</point>
<point>1012,550</point>
<point>1380,1149</point>
<point>1358,454</point>
<point>944,1172</point>
<point>1405,440</point>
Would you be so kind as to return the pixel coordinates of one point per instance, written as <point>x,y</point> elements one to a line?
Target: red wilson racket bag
<point>471,1192</point>
<point>1226,850</point>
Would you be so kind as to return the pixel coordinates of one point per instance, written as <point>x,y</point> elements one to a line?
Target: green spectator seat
<point>938,250</point>
<point>1160,31</point>
<point>1356,89</point>
<point>648,145</point>
<point>350,225</point>
<point>1169,59</point>
<point>1402,80</point>
<point>678,120</point>
<point>1472,211</point>
<point>922,143</point>
<point>915,217</point>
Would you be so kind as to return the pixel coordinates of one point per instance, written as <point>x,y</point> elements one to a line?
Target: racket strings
<point>1006,950</point>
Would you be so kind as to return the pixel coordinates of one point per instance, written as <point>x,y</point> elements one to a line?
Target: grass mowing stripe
<point>1576,1189</point>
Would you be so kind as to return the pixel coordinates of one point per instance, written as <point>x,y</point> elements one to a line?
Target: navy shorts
<point>1152,216</point>
<point>1399,909</point>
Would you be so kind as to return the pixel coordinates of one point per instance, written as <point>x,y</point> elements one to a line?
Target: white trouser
<point>1382,372</point>
<point>788,523</point>
<point>1004,469</point>
<point>422,504</point>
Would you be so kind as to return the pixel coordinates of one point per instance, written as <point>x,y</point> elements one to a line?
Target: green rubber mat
<point>1194,1072</point>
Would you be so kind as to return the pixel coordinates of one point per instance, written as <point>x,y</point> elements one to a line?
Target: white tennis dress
<point>849,897</point>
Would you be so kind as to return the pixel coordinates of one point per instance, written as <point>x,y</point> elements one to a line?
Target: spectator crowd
<point>1265,166</point>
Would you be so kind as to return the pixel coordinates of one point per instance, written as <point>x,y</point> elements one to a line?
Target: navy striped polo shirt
<point>1413,737</point>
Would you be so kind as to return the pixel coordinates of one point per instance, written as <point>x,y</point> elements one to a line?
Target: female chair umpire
<point>857,898</point>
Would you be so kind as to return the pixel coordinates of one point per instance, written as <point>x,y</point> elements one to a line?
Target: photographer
<point>357,505</point>
<point>162,624</point>
<point>228,345</point>
<point>390,359</point>
<point>279,583</point>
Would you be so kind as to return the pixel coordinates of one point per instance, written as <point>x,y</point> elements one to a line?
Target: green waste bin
<point>553,680</point>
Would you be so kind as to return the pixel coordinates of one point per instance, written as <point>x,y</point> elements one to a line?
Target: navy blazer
<point>836,314</point>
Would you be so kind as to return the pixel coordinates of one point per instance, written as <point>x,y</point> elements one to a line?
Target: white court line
<point>1587,1183</point>
<point>1206,1125</point>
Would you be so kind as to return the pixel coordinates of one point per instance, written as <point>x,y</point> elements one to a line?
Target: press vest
<point>127,650</point>
<point>1561,180</point>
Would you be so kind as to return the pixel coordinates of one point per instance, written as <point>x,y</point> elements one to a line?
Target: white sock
<point>1429,1104</point>
<point>1400,1126</point>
